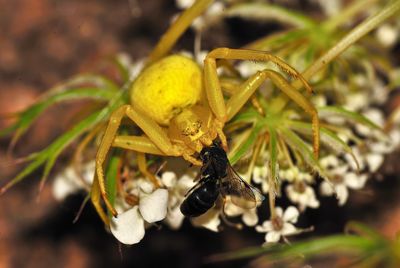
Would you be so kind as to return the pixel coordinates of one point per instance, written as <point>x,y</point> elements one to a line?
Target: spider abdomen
<point>166,87</point>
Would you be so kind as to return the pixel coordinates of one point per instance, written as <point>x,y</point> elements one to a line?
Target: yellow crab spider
<point>181,108</point>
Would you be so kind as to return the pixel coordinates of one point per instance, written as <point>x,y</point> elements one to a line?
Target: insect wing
<point>240,192</point>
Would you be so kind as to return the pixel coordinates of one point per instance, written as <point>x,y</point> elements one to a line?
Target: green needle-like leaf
<point>273,150</point>
<point>304,149</point>
<point>111,178</point>
<point>246,145</point>
<point>344,244</point>
<point>27,117</point>
<point>51,153</point>
<point>262,11</point>
<point>327,138</point>
<point>248,116</point>
<point>327,111</point>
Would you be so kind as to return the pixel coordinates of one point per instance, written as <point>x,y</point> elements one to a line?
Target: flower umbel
<point>280,226</point>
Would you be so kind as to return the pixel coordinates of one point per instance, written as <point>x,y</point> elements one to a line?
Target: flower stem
<point>353,36</point>
<point>347,14</point>
<point>176,30</point>
<point>271,191</point>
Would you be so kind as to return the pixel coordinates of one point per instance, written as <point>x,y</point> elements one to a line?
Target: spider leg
<point>212,84</point>
<point>142,165</point>
<point>252,83</point>
<point>255,55</point>
<point>140,144</point>
<point>145,145</point>
<point>96,200</point>
<point>226,112</point>
<point>155,133</point>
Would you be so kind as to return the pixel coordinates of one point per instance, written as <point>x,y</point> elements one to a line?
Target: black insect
<point>217,177</point>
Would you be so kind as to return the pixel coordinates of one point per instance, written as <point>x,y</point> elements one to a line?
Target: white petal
<point>88,171</point>
<point>250,217</point>
<point>168,178</point>
<point>340,170</point>
<point>355,181</point>
<point>265,187</point>
<point>216,9</point>
<point>342,194</point>
<point>288,229</point>
<point>326,189</point>
<point>291,174</point>
<point>387,35</point>
<point>128,227</point>
<point>319,100</point>
<point>364,130</point>
<point>233,210</point>
<point>121,205</point>
<point>278,212</point>
<point>272,237</point>
<point>305,199</point>
<point>376,116</point>
<point>305,177</point>
<point>333,119</point>
<point>146,186</point>
<point>184,4</point>
<point>260,174</point>
<point>395,136</point>
<point>153,207</point>
<point>265,227</point>
<point>210,220</point>
<point>291,214</point>
<point>184,184</point>
<point>329,161</point>
<point>291,193</point>
<point>175,218</point>
<point>312,201</point>
<point>66,183</point>
<point>331,8</point>
<point>356,101</point>
<point>374,161</point>
<point>382,147</point>
<point>247,68</point>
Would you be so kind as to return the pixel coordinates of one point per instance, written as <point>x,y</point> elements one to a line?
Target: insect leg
<point>225,218</point>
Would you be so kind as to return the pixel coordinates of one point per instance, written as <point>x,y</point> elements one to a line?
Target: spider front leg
<point>155,134</point>
<point>212,84</point>
<point>235,103</point>
<point>145,145</point>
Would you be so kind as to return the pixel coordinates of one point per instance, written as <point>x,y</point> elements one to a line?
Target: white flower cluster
<point>69,181</point>
<point>154,205</point>
<point>213,12</point>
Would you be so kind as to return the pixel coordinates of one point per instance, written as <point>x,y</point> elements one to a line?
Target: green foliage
<point>95,87</point>
<point>367,249</point>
